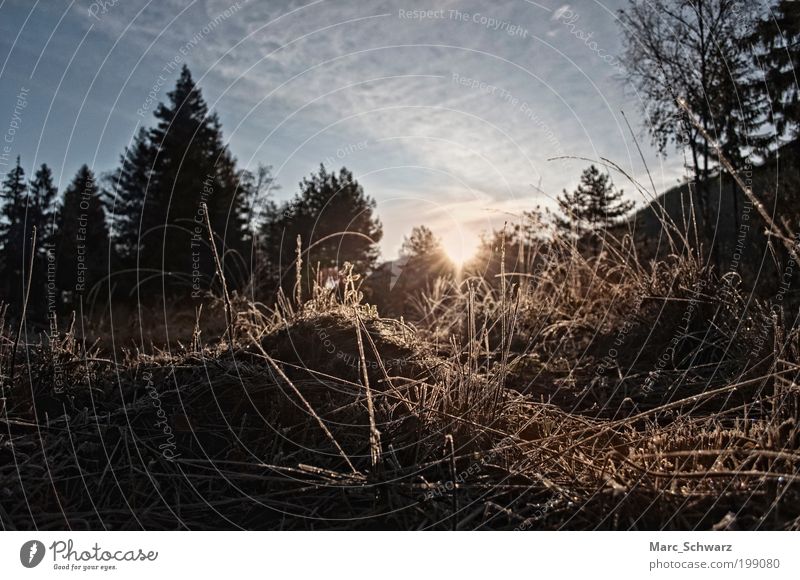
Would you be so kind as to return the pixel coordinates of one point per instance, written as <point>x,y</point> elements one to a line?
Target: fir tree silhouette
<point>335,219</point>
<point>43,213</point>
<point>82,241</point>
<point>165,180</point>
<point>593,207</point>
<point>15,233</point>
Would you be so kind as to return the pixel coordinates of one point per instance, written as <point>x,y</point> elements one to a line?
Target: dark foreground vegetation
<point>597,394</point>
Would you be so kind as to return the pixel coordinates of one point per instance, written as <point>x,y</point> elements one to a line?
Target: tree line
<point>141,233</point>
<point>144,231</point>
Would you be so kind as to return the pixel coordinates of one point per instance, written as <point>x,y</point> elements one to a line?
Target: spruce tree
<point>43,208</point>
<point>82,242</point>
<point>131,190</point>
<point>335,220</point>
<point>43,213</point>
<point>778,35</point>
<point>191,166</point>
<point>594,206</point>
<point>15,233</point>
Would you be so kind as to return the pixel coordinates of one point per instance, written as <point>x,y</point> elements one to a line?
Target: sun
<point>460,246</point>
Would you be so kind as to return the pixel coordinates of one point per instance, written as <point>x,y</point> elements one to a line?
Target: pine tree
<point>422,260</point>
<point>421,243</point>
<point>43,213</point>
<point>778,34</point>
<point>191,166</point>
<point>396,284</point>
<point>43,204</point>
<point>335,220</point>
<point>82,242</point>
<point>131,190</point>
<point>15,233</point>
<point>595,204</point>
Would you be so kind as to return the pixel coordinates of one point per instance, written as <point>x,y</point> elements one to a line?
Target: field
<point>566,391</point>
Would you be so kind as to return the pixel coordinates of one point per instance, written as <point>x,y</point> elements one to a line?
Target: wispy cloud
<point>471,100</point>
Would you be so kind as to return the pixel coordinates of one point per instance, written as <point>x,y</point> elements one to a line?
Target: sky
<point>449,113</point>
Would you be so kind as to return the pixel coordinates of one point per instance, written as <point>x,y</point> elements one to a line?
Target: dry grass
<point>567,392</point>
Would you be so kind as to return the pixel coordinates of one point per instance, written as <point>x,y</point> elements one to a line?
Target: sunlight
<point>460,246</point>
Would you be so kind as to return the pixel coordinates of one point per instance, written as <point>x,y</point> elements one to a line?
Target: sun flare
<point>460,247</point>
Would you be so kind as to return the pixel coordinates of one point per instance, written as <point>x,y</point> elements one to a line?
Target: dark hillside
<point>736,231</point>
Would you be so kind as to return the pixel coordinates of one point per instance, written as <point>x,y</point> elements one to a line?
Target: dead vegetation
<point>570,391</point>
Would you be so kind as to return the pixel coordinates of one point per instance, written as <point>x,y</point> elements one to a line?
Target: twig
<point>374,434</point>
<point>308,406</point>
<point>298,279</point>
<point>774,229</point>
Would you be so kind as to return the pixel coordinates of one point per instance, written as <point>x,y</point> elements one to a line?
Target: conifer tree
<point>15,233</point>
<point>43,208</point>
<point>778,35</point>
<point>165,181</point>
<point>335,220</point>
<point>43,213</point>
<point>82,242</point>
<point>595,204</point>
<point>131,189</point>
<point>421,261</point>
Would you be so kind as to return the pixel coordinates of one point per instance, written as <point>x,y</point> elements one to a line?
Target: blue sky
<point>446,111</point>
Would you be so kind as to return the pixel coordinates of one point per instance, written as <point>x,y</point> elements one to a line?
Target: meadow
<point>568,390</point>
